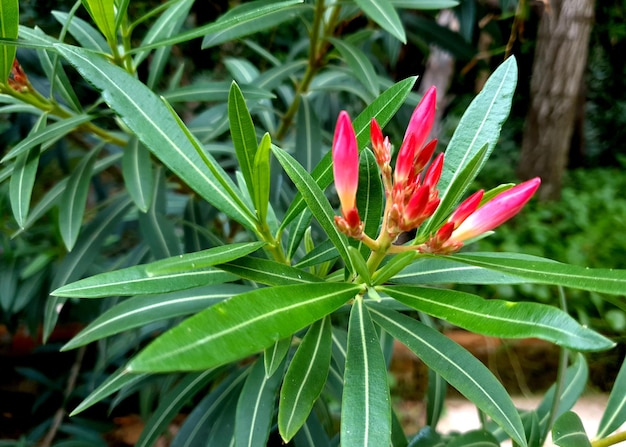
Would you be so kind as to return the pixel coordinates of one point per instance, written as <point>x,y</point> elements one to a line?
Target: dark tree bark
<point>558,69</point>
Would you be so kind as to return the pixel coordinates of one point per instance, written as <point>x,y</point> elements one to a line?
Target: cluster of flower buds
<point>411,188</point>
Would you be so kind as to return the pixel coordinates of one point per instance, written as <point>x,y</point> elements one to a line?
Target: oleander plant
<point>245,253</point>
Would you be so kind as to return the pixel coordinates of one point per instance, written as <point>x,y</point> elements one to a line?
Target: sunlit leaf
<point>498,318</point>
<point>365,404</point>
<point>457,366</point>
<point>243,325</point>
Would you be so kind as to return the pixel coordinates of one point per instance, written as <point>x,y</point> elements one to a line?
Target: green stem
<point>317,50</point>
<point>561,372</point>
<point>609,440</point>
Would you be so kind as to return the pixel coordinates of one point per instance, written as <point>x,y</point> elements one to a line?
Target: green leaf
<point>274,355</point>
<point>576,377</point>
<point>86,249</point>
<point>365,404</point>
<point>369,196</point>
<point>103,14</point>
<point>498,318</point>
<point>615,412</point>
<point>171,403</point>
<point>86,35</point>
<point>151,120</point>
<point>142,310</point>
<point>250,18</point>
<point>216,91</point>
<point>197,426</point>
<point>308,142</point>
<point>547,271</point>
<point>360,66</point>
<point>475,438</point>
<point>383,13</point>
<point>424,4</point>
<point>255,408</point>
<point>316,201</point>
<point>74,199</point>
<point>9,22</point>
<point>138,175</point>
<point>241,326</point>
<point>261,178</point>
<point>60,83</point>
<point>382,108</point>
<point>457,366</point>
<point>268,272</point>
<point>443,270</point>
<point>116,381</point>
<point>22,182</point>
<point>480,125</point>
<point>167,25</point>
<point>324,251</point>
<point>304,379</point>
<point>161,276</point>
<point>47,135</point>
<point>396,264</point>
<point>568,431</point>
<point>243,134</point>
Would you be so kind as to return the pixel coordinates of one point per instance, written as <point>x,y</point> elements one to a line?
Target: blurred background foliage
<point>585,227</point>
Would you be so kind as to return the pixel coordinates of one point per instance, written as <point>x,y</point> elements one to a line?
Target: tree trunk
<point>558,69</point>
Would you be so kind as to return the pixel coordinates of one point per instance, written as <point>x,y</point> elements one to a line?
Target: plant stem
<point>317,51</point>
<point>561,371</point>
<point>609,440</point>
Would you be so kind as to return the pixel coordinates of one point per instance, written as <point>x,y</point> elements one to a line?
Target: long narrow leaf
<point>316,201</point>
<point>47,135</point>
<point>22,182</point>
<point>143,310</point>
<point>359,64</point>
<point>498,318</point>
<point>241,326</point>
<point>365,404</point>
<point>160,276</point>
<point>479,125</point>
<point>116,381</point>
<point>85,251</point>
<point>255,407</point>
<point>150,119</point>
<point>9,21</point>
<point>170,405</point>
<point>268,272</point>
<point>615,412</point>
<point>243,134</point>
<point>547,271</point>
<point>304,379</point>
<point>138,174</point>
<point>462,370</point>
<point>74,199</point>
<point>568,431</point>
<point>383,13</point>
<point>254,11</point>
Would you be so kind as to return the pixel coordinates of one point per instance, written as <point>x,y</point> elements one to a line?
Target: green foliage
<point>187,217</point>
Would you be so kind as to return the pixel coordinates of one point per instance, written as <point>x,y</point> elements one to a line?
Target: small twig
<point>57,419</point>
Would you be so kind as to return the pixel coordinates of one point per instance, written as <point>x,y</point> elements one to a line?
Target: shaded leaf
<point>304,378</point>
<point>568,431</point>
<point>615,412</point>
<point>383,13</point>
<point>138,175</point>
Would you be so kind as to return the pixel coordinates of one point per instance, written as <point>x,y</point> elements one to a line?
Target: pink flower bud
<point>423,117</point>
<point>497,211</point>
<point>380,145</point>
<point>467,207</point>
<point>345,163</point>
<point>433,174</point>
<point>404,162</point>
